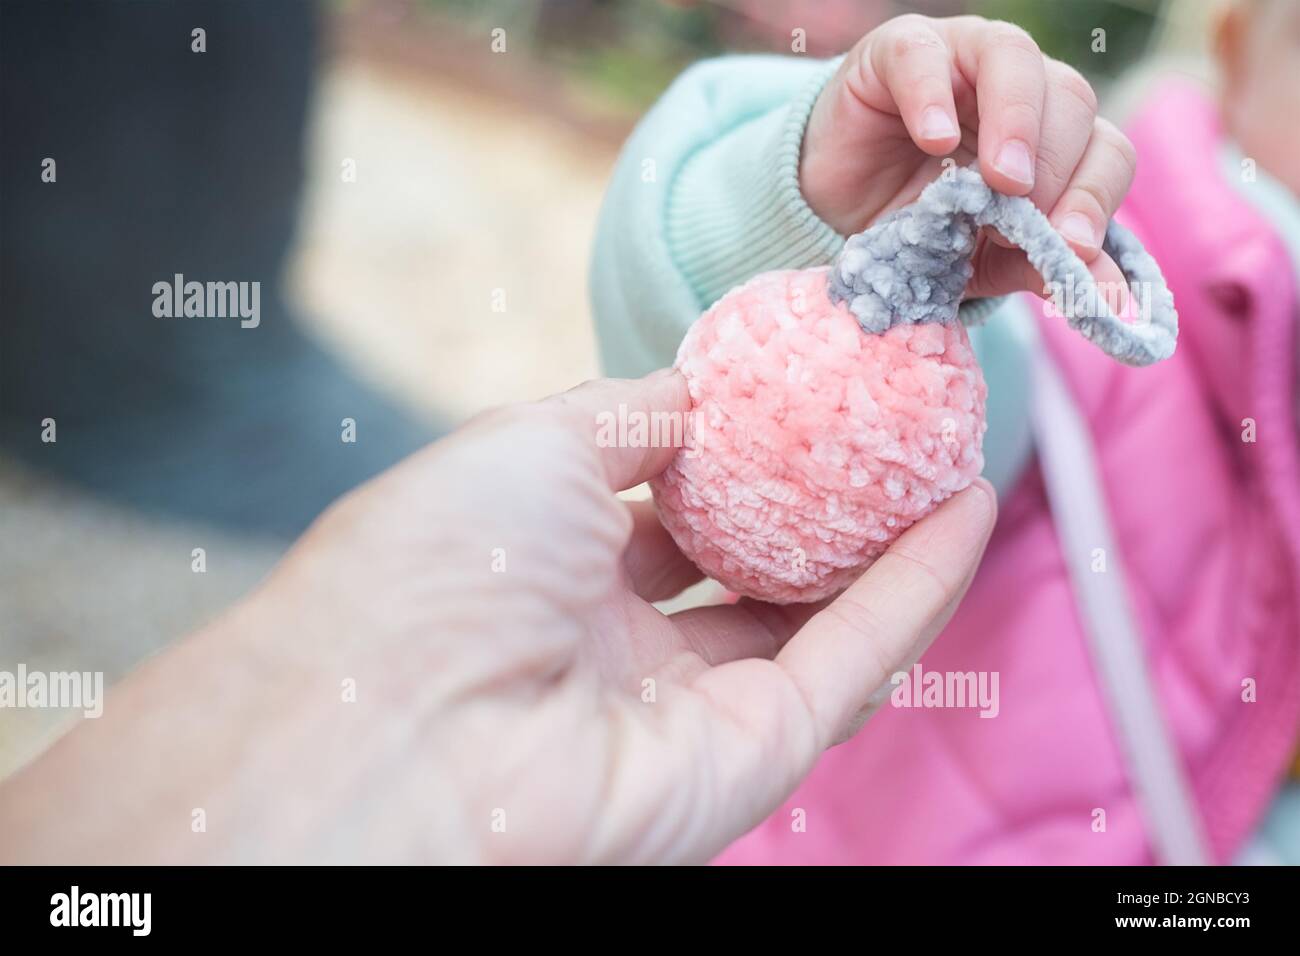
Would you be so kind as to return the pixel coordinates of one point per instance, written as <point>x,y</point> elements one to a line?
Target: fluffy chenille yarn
<point>834,407</point>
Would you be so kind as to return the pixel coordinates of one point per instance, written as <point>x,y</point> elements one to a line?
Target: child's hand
<point>916,89</point>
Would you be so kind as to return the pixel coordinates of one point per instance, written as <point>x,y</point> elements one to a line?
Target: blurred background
<point>419,210</point>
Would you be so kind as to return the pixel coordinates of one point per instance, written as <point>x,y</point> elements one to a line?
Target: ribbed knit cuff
<point>735,208</point>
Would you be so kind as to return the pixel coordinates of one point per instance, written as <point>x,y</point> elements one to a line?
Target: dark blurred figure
<point>168,161</point>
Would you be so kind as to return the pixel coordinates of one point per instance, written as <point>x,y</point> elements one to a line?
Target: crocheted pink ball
<point>814,444</point>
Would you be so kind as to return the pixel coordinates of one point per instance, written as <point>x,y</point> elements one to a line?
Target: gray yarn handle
<point>913,266</point>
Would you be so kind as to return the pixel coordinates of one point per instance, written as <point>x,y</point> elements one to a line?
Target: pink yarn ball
<point>814,444</point>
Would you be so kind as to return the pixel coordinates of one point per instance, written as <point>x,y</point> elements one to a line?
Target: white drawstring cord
<point>1080,514</point>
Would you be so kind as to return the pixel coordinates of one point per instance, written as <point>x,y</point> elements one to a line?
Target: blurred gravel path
<point>456,195</point>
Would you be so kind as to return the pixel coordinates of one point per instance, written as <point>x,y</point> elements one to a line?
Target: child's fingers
<point>915,65</point>
<point>1010,84</point>
<point>1002,271</point>
<point>1112,284</point>
<point>1098,186</point>
<point>1069,109</point>
<point>848,650</point>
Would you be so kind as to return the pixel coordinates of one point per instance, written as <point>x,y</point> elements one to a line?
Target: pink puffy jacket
<point>1208,526</point>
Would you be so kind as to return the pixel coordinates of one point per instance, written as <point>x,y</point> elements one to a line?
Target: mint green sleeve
<point>705,195</point>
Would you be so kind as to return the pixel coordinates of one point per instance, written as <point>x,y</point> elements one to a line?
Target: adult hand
<point>917,89</point>
<point>460,662</point>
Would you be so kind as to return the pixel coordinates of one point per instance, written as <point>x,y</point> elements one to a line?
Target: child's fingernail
<point>937,124</point>
<point>1079,228</point>
<point>1014,162</point>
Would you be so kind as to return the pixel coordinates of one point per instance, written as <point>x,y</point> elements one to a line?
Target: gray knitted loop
<point>913,266</point>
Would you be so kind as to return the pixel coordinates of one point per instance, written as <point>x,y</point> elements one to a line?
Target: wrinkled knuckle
<point>857,615</point>
<point>861,618</point>
<point>1075,85</point>
<point>1052,163</point>
<point>1116,140</point>
<point>922,569</point>
<point>818,736</point>
<point>1021,113</point>
<point>1091,199</point>
<point>909,23</point>
<point>908,39</point>
<point>1003,34</point>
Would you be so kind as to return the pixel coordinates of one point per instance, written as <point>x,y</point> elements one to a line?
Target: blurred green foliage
<point>1065,29</point>
<point>629,50</point>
